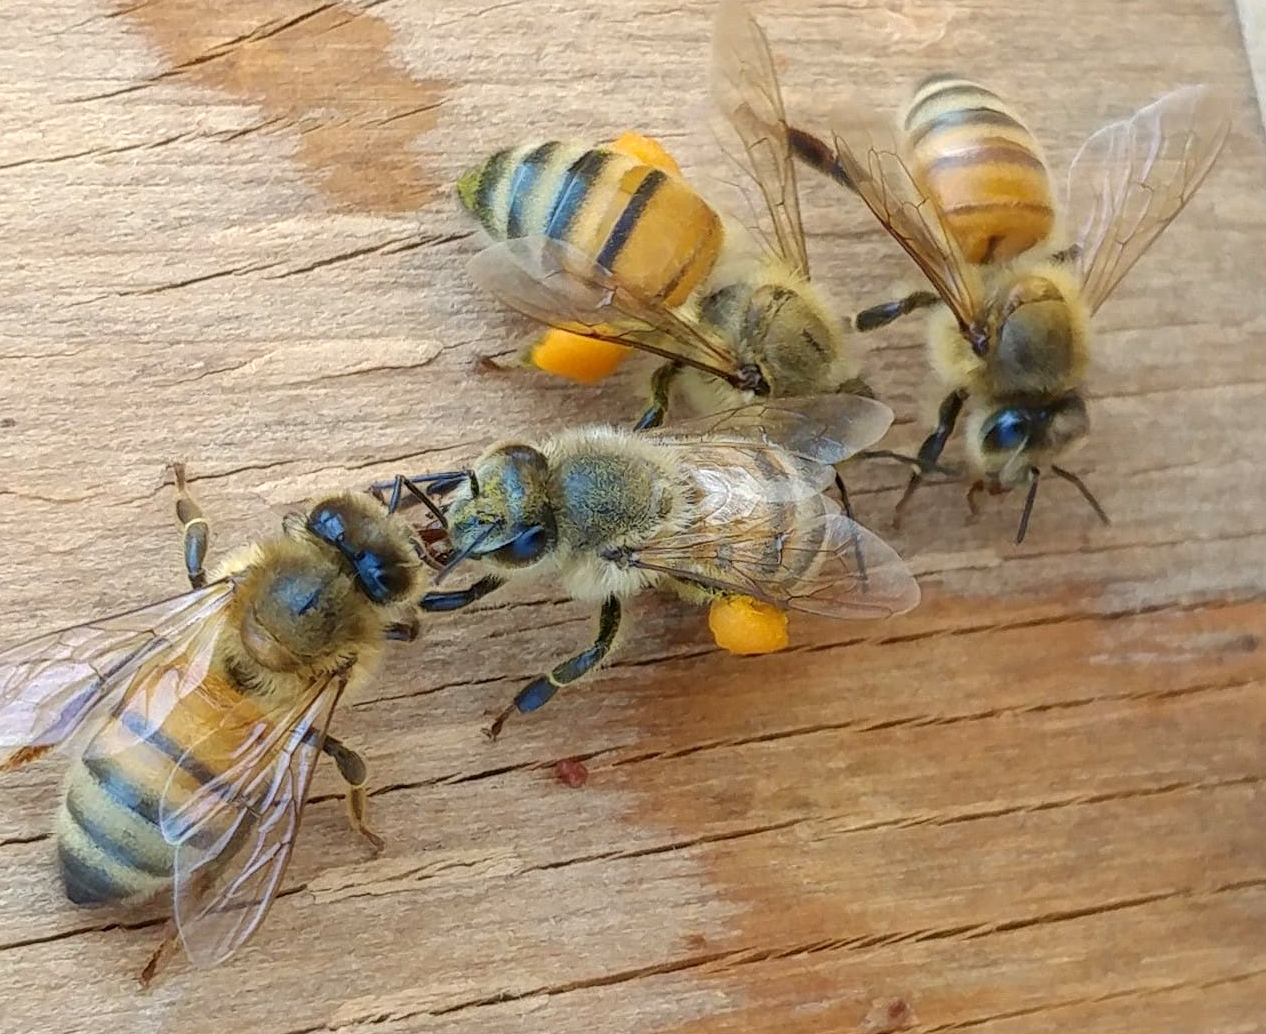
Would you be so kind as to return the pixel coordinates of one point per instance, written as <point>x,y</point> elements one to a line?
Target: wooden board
<point>1035,804</point>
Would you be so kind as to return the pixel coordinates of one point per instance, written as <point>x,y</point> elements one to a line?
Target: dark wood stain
<point>323,72</point>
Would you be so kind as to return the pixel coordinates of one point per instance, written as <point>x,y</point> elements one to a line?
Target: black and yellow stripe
<point>647,227</point>
<point>980,164</point>
<point>110,844</point>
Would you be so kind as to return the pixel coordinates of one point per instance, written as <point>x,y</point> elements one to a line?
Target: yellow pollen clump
<point>576,356</point>
<point>743,625</point>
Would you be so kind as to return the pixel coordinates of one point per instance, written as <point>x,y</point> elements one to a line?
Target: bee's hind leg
<point>162,954</point>
<point>195,531</point>
<point>351,766</point>
<point>538,692</point>
<point>23,756</point>
<point>661,388</point>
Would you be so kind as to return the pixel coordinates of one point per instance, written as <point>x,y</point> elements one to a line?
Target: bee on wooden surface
<point>729,506</point>
<point>962,185</point>
<point>194,724</point>
<point>601,244</point>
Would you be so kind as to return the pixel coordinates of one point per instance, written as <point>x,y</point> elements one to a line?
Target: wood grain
<point>1032,805</point>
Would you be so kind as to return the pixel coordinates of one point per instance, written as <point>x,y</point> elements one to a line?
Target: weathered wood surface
<point>1035,804</point>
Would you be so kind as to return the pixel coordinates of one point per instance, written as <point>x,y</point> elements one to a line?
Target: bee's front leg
<point>538,692</point>
<point>195,531</point>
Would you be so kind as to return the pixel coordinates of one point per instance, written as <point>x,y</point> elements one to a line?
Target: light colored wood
<point>1034,804</point>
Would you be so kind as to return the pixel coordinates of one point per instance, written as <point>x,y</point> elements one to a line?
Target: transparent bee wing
<point>745,91</point>
<point>824,429</point>
<point>1132,178</point>
<point>871,158</point>
<point>557,284</point>
<point>803,557</point>
<point>53,685</point>
<point>234,834</point>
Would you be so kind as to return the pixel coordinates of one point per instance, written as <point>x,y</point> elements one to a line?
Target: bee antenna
<point>1034,475</point>
<point>1086,494</point>
<point>403,484</point>
<point>461,555</point>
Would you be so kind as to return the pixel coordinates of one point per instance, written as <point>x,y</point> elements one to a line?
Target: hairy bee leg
<point>538,692</point>
<point>195,531</point>
<point>881,315</point>
<point>818,154</point>
<point>24,756</point>
<point>351,766</point>
<point>661,387</point>
<point>162,954</point>
<point>458,598</point>
<point>932,447</point>
<point>848,512</point>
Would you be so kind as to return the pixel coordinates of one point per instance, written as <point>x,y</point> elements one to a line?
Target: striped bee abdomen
<point>981,166</point>
<point>648,227</point>
<point>110,845</point>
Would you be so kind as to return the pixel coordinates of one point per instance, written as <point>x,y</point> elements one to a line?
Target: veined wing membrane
<point>1132,178</point>
<point>235,834</point>
<point>557,284</point>
<point>823,428</point>
<point>761,528</point>
<point>745,90</point>
<point>872,158</point>
<point>815,570</point>
<point>55,684</point>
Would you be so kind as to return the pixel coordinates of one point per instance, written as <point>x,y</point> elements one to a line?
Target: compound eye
<point>327,524</point>
<point>1007,430</point>
<point>525,547</point>
<point>380,580</point>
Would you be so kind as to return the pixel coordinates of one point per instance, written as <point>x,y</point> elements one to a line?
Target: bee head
<point>502,512</point>
<point>383,564</point>
<point>1018,434</point>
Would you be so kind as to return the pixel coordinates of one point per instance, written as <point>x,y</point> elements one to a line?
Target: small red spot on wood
<point>886,1016</point>
<point>571,772</point>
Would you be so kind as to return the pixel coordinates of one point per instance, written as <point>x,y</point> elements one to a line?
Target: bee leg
<point>818,154</point>
<point>973,499</point>
<point>194,529</point>
<point>351,766</point>
<point>440,601</point>
<point>24,755</point>
<point>661,386</point>
<point>932,447</point>
<point>538,692</point>
<point>161,954</point>
<point>848,512</point>
<point>881,315</point>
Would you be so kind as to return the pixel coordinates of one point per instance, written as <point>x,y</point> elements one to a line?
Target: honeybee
<point>963,187</point>
<point>595,242</point>
<point>730,505</point>
<point>194,724</point>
